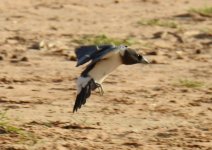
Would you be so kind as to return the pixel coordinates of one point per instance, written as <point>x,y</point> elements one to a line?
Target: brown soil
<point>164,105</point>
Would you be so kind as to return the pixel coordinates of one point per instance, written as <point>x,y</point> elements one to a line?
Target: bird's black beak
<point>144,61</point>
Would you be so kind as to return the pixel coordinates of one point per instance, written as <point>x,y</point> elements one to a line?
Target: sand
<point>163,105</point>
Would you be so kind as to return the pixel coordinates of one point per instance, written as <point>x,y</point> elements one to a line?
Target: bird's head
<point>132,57</point>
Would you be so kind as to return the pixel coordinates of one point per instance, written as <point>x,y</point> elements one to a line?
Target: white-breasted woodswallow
<point>104,59</point>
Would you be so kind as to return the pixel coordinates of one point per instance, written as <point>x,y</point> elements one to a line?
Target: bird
<point>103,60</point>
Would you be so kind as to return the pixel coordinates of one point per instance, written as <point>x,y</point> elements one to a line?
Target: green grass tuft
<point>207,31</point>
<point>158,22</point>
<point>7,128</point>
<point>206,11</point>
<point>103,39</point>
<point>191,83</point>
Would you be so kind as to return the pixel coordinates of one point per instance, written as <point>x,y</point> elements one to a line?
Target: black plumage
<point>104,59</point>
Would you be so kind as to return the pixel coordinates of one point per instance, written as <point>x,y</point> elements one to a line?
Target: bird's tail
<point>83,93</point>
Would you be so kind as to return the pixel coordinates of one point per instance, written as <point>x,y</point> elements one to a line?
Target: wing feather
<point>91,52</point>
<point>97,70</point>
<point>84,93</point>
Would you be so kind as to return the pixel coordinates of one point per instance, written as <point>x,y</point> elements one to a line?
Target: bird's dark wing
<point>86,82</point>
<point>81,97</point>
<point>90,52</point>
<point>84,93</point>
<point>83,53</point>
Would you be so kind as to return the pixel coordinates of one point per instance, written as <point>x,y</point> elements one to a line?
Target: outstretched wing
<point>96,70</point>
<point>90,52</point>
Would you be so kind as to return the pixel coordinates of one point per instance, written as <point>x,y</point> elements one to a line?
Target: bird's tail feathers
<point>84,91</point>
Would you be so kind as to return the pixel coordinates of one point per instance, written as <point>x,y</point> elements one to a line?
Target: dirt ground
<point>164,105</point>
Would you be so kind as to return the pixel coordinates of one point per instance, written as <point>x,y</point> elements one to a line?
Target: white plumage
<point>104,60</point>
<point>103,68</point>
<point>81,83</point>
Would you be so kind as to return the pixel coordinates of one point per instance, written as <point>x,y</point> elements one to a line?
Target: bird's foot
<point>99,86</point>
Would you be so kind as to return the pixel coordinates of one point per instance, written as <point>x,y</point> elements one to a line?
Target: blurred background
<point>163,105</point>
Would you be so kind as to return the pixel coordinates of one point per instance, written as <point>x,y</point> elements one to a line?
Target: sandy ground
<point>164,105</point>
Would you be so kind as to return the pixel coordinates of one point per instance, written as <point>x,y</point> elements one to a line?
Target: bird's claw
<point>99,86</point>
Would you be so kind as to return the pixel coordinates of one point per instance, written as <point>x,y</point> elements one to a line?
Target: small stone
<point>209,108</point>
<point>14,56</point>
<point>157,35</point>
<point>38,45</point>
<point>72,58</point>
<point>53,28</point>
<point>1,58</point>
<point>194,104</point>
<point>172,101</point>
<point>198,51</point>
<point>164,135</point>
<point>157,88</point>
<point>154,61</point>
<point>42,44</point>
<point>35,46</point>
<point>57,80</point>
<point>179,55</point>
<point>152,53</point>
<point>10,87</point>
<point>14,61</point>
<point>24,59</point>
<point>184,90</point>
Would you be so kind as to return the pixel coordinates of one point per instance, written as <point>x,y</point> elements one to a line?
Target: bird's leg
<point>99,86</point>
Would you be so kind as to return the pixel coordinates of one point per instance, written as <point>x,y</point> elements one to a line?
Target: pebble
<point>152,53</point>
<point>1,58</point>
<point>24,59</point>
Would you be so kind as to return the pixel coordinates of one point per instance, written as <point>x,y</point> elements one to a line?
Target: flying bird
<point>103,60</point>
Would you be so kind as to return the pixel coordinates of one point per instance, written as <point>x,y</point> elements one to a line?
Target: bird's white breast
<point>105,67</point>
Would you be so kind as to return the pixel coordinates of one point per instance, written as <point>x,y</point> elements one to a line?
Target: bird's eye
<point>139,57</point>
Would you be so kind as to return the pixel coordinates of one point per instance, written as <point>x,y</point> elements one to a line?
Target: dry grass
<point>206,11</point>
<point>103,39</point>
<point>190,83</point>
<point>158,22</point>
<point>7,128</point>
